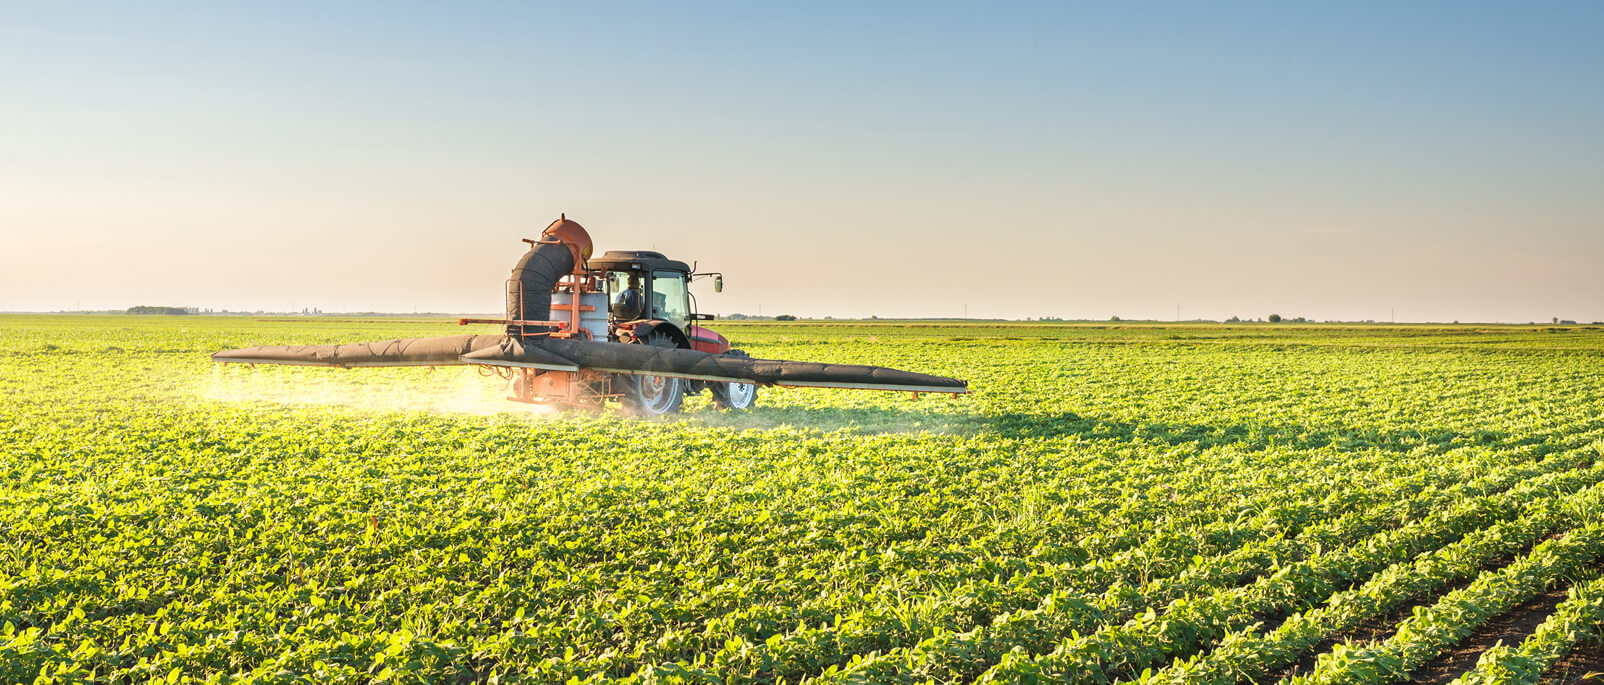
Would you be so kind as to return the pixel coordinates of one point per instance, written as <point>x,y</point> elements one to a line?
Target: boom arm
<point>556,354</point>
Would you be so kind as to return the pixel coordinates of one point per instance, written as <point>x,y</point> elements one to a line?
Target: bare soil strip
<point>1380,628</point>
<point>1587,658</point>
<point>1375,629</point>
<point>1510,628</point>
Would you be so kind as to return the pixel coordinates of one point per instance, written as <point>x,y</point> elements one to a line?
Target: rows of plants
<point>956,655</point>
<point>1578,620</point>
<point>1227,547</point>
<point>1456,615</point>
<point>161,518</point>
<point>1249,655</point>
<point>1194,622</point>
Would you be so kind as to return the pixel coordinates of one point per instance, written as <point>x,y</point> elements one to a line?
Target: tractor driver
<point>627,304</point>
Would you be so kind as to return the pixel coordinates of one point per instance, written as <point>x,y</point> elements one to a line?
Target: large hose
<point>529,289</point>
<point>563,246</point>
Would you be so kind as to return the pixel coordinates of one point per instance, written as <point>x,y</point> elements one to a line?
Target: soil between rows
<point>1510,628</point>
<point>1583,665</point>
<point>1377,629</point>
<point>1374,629</point>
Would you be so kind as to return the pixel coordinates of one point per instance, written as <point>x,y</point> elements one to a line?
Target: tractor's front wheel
<point>652,396</point>
<point>736,396</point>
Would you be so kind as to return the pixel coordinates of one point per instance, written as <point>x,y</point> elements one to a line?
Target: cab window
<point>670,301</point>
<point>626,295</point>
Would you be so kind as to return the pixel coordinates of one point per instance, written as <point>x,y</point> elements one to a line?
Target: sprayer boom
<point>580,330</point>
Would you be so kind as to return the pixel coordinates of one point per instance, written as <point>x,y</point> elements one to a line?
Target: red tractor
<point>583,329</point>
<point>649,302</point>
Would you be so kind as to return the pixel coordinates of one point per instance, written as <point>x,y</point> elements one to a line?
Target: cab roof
<point>635,260</point>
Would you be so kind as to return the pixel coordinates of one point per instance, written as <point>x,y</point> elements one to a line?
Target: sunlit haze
<point>1424,161</point>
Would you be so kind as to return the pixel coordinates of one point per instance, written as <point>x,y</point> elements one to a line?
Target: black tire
<point>652,396</point>
<point>734,396</point>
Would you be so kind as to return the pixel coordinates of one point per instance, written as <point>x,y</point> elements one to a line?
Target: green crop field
<point>1141,502</point>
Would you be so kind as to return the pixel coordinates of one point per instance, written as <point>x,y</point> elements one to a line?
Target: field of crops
<point>1147,503</point>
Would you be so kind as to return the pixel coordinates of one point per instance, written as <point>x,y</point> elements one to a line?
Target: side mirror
<point>718,283</point>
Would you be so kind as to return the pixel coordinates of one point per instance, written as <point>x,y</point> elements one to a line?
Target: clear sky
<point>1332,160</point>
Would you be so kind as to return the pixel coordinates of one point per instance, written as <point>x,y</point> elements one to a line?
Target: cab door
<point>671,300</point>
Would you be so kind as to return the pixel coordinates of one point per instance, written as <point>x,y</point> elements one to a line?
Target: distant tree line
<point>741,317</point>
<point>147,310</point>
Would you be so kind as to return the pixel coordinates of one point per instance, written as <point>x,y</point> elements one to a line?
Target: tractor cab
<point>644,285</point>
<point>648,296</point>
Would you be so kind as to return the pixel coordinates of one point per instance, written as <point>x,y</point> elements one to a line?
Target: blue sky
<point>1444,160</point>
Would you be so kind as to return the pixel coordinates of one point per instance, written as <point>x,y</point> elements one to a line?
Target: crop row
<point>762,615</point>
<point>1193,622</point>
<point>1229,548</point>
<point>995,576</point>
<point>350,596</point>
<point>161,518</point>
<point>1580,618</point>
<point>811,648</point>
<point>1456,615</point>
<point>959,655</point>
<point>1248,655</point>
<point>1021,580</point>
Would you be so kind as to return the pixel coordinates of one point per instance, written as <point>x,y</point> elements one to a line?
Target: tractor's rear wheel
<point>736,396</point>
<point>651,396</point>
